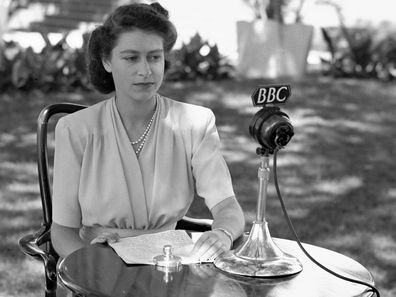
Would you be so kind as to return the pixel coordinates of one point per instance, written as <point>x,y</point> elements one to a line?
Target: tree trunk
<point>274,10</point>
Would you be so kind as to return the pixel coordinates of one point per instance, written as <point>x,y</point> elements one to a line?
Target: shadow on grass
<point>336,175</point>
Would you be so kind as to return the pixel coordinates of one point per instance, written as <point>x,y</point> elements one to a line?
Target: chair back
<point>42,153</point>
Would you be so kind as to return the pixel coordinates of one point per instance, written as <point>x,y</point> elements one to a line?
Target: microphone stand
<point>259,256</point>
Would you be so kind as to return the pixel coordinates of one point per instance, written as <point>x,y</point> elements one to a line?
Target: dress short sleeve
<point>67,167</point>
<point>212,177</point>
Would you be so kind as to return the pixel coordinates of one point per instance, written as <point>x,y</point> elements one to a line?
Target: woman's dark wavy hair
<point>148,17</point>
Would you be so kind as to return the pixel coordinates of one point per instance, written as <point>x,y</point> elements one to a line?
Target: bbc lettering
<point>272,96</point>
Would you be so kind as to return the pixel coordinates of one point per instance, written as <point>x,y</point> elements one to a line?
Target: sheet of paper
<point>143,248</point>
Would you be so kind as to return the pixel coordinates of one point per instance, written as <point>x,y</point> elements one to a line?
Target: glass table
<point>98,271</point>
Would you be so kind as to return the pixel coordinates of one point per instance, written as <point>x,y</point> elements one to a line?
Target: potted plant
<point>271,46</point>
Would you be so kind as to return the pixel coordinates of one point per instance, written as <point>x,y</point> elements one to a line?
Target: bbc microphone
<point>271,127</point>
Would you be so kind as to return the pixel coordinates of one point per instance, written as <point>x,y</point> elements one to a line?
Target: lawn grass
<point>337,174</point>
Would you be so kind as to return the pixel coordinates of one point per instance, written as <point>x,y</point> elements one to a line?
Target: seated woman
<point>129,165</point>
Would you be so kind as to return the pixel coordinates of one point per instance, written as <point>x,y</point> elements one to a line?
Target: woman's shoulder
<point>87,118</point>
<point>189,112</point>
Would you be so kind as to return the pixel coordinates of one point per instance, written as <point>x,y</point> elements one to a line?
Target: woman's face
<point>137,64</point>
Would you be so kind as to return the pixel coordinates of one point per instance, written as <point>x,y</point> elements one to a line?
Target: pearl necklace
<point>142,139</point>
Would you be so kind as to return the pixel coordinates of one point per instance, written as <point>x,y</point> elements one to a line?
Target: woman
<point>129,165</point>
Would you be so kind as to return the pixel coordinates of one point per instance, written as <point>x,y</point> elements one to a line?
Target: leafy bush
<point>359,52</point>
<point>198,60</point>
<point>356,52</point>
<point>55,67</point>
<point>61,67</point>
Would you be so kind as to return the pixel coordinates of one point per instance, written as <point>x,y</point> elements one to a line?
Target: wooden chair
<point>38,245</point>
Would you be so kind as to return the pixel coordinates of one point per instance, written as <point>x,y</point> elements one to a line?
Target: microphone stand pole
<point>259,256</point>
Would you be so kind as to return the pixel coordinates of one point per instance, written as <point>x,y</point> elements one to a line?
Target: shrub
<point>198,60</point>
<point>359,52</point>
<point>56,66</point>
<point>61,67</point>
<point>355,52</point>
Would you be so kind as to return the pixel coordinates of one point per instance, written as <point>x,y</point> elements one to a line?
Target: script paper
<point>143,248</point>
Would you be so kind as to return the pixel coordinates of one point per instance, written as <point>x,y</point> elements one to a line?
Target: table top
<point>98,271</point>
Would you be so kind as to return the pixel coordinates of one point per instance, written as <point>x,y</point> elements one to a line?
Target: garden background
<point>336,174</point>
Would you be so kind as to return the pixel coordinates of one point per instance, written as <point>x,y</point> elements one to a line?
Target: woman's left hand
<point>210,245</point>
<point>106,237</point>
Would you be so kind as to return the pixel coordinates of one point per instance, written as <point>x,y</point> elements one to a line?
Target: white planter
<point>268,49</point>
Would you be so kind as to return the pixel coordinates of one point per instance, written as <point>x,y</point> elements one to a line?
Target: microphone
<point>271,127</point>
<point>258,255</point>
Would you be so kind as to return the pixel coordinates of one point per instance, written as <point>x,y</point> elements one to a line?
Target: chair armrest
<point>30,245</point>
<point>192,224</point>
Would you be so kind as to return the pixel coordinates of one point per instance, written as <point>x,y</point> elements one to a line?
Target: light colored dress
<point>100,183</point>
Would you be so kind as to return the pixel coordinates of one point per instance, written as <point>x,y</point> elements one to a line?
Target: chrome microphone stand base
<point>259,256</point>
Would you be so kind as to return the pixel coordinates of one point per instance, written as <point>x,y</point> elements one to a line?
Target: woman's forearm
<point>65,240</point>
<point>228,224</point>
<point>228,215</point>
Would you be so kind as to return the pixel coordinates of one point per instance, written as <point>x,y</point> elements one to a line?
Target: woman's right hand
<point>107,237</point>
